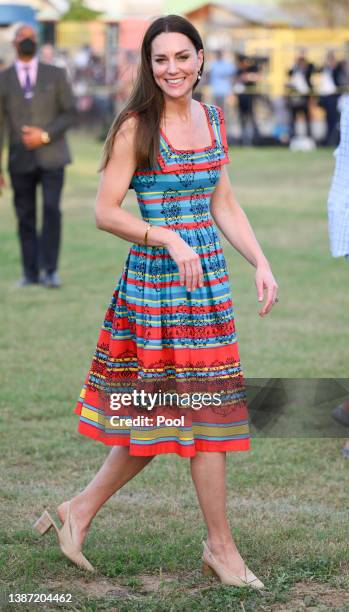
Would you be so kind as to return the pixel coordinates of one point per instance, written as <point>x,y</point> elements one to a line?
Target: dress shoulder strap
<point>216,119</point>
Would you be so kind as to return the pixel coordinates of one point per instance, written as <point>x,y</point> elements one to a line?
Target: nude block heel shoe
<point>65,538</point>
<point>207,569</point>
<point>210,565</point>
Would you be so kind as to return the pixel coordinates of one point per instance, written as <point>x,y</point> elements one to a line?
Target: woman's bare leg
<point>118,468</point>
<point>208,474</point>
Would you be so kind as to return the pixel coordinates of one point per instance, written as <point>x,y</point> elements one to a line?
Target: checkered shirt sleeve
<point>338,198</point>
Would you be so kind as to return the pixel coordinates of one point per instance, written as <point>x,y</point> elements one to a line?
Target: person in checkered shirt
<point>338,199</point>
<point>338,225</point>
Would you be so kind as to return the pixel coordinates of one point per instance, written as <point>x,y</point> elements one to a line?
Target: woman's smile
<point>175,82</point>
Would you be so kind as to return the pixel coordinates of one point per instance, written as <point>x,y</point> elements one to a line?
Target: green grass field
<point>288,497</point>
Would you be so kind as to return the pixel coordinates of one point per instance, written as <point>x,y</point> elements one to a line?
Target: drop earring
<point>199,76</point>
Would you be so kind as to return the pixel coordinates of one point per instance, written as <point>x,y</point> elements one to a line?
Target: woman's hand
<point>265,280</point>
<point>188,262</point>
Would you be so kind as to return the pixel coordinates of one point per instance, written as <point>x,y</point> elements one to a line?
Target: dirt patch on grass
<point>308,596</point>
<point>151,583</point>
<point>111,587</point>
<point>93,588</point>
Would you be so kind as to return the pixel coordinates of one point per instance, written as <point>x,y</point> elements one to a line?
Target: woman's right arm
<point>110,217</point>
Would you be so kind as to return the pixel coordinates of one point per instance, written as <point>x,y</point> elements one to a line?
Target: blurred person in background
<point>81,60</point>
<point>245,86</point>
<point>36,108</point>
<point>48,54</point>
<point>299,87</point>
<point>221,71</point>
<point>127,71</point>
<point>338,224</point>
<point>333,79</point>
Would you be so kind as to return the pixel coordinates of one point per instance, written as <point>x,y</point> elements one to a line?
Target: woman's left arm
<point>234,224</point>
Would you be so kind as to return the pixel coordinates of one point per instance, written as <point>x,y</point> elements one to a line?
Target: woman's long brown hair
<point>146,99</point>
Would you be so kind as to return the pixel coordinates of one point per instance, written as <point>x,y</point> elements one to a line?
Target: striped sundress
<point>157,338</point>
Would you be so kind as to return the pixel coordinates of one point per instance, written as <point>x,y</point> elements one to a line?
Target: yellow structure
<point>282,45</point>
<point>74,34</point>
<point>267,33</point>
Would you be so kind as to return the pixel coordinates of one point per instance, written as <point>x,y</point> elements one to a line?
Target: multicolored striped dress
<point>166,375</point>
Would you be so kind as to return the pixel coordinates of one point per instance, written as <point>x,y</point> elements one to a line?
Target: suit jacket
<point>52,108</point>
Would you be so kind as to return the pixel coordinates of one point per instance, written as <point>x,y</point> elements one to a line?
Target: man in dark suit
<point>36,107</point>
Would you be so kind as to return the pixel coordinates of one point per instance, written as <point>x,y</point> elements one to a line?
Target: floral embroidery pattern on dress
<point>198,204</point>
<point>186,164</point>
<point>147,180</point>
<point>171,208</point>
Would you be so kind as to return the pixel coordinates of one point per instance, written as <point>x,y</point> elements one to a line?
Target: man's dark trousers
<point>39,251</point>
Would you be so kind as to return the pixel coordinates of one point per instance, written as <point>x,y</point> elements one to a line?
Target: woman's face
<point>175,63</point>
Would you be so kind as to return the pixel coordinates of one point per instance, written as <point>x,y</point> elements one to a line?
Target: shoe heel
<point>207,569</point>
<point>44,523</point>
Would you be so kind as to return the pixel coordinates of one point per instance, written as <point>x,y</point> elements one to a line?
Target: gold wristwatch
<point>45,137</point>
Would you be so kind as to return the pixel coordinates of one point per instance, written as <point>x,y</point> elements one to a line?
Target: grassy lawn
<point>287,498</point>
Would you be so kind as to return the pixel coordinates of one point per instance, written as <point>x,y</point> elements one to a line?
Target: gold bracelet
<point>146,234</point>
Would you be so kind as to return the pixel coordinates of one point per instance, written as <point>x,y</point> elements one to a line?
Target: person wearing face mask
<point>36,107</point>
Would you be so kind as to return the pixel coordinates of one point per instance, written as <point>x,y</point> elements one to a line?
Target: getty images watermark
<point>149,400</point>
<point>277,407</point>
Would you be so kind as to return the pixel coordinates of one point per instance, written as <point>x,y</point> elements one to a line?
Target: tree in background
<point>77,11</point>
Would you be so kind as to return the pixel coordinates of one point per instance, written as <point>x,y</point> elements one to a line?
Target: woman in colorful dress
<point>170,322</point>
